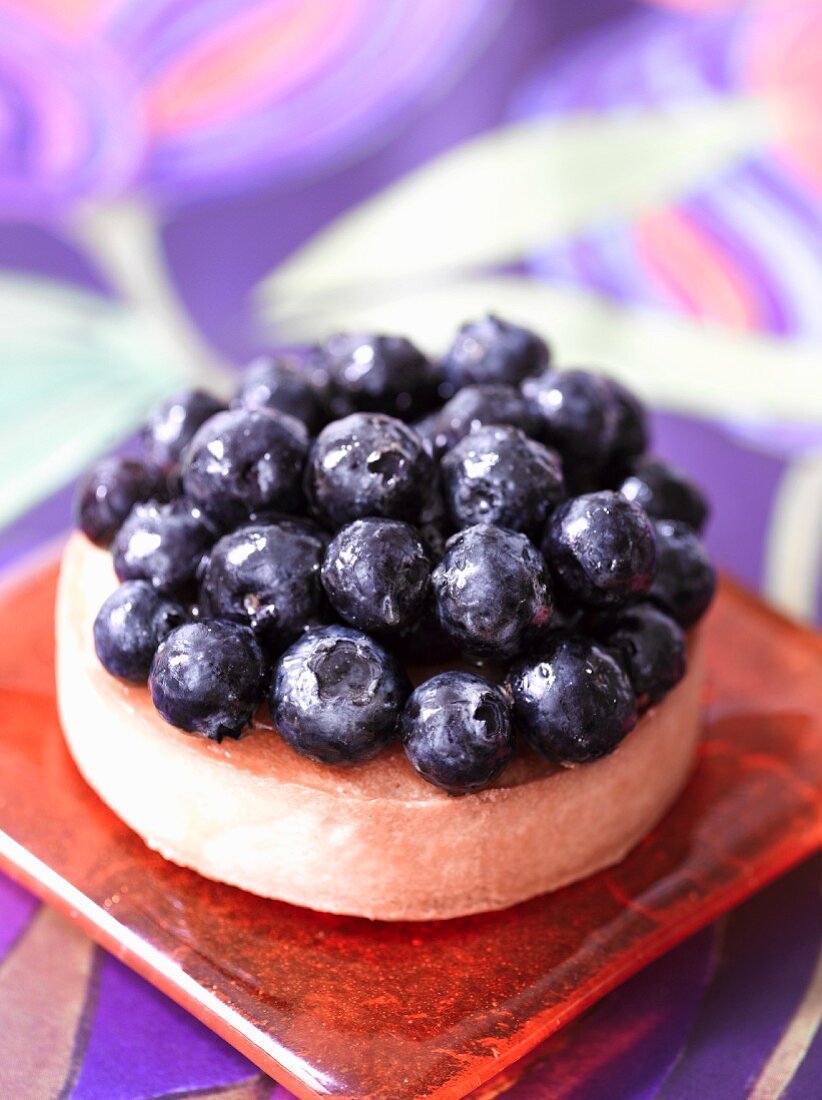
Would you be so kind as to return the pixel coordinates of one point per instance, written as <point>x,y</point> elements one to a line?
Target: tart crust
<point>373,840</point>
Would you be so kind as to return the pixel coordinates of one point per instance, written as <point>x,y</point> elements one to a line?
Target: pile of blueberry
<point>362,508</point>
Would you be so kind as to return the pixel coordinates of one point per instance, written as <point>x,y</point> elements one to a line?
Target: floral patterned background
<point>183,182</point>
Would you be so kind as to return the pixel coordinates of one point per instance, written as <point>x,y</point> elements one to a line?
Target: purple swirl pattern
<point>744,249</point>
<point>182,99</point>
<point>57,118</point>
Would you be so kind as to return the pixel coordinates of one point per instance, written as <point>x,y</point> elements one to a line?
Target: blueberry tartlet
<point>389,636</point>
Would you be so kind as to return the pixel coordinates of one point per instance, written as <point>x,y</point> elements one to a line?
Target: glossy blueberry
<point>279,382</point>
<point>368,464</point>
<point>497,475</point>
<point>685,579</point>
<point>130,626</point>
<point>631,431</point>
<point>600,549</point>
<point>162,544</point>
<point>473,407</point>
<point>650,646</point>
<point>337,694</point>
<point>172,425</point>
<point>302,524</point>
<point>425,643</point>
<point>492,590</point>
<point>665,492</point>
<point>376,574</point>
<point>385,374</point>
<point>208,678</point>
<point>577,411</point>
<point>434,525</point>
<point>246,460</point>
<point>574,703</point>
<point>268,577</point>
<point>456,731</point>
<point>492,351</point>
<point>110,490</point>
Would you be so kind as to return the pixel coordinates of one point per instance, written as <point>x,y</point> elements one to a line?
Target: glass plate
<point>346,1007</point>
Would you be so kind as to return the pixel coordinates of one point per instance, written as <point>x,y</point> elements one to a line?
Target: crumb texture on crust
<point>373,840</point>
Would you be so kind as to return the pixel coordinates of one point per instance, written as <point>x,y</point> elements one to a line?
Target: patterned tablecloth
<point>183,183</point>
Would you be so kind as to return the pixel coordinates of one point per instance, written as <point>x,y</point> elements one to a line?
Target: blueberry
<point>425,643</point>
<point>578,414</point>
<point>473,407</point>
<point>110,490</point>
<point>130,626</point>
<point>336,695</point>
<point>492,590</point>
<point>163,544</point>
<point>279,382</point>
<point>208,678</point>
<point>456,731</point>
<point>492,351</point>
<point>685,580</point>
<point>172,425</point>
<point>376,574</point>
<point>665,492</point>
<point>430,429</point>
<point>600,549</point>
<point>650,646</point>
<point>368,465</point>
<point>497,475</point>
<point>301,524</point>
<point>379,374</point>
<point>574,703</point>
<point>434,525</point>
<point>631,433</point>
<point>246,460</point>
<point>268,577</point>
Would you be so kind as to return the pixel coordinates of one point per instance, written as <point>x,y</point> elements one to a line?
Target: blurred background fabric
<point>186,182</point>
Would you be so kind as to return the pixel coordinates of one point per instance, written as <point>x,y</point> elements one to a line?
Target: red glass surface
<point>352,1008</point>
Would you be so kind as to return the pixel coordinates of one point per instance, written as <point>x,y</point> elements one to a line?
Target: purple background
<point>719,1003</point>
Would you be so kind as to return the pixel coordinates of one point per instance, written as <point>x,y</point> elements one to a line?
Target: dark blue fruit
<point>473,407</point>
<point>172,425</point>
<point>291,523</point>
<point>162,544</point>
<point>456,731</point>
<point>279,382</point>
<point>434,525</point>
<point>685,579</point>
<point>337,694</point>
<point>650,646</point>
<point>110,490</point>
<point>492,590</point>
<point>246,460</point>
<point>268,577</point>
<point>368,464</point>
<point>208,678</point>
<point>665,492</point>
<point>497,475</point>
<point>385,374</point>
<point>600,549</point>
<point>130,626</point>
<point>492,351</point>
<point>575,702</point>
<point>577,411</point>
<point>376,574</point>
<point>631,433</point>
<point>425,643</point>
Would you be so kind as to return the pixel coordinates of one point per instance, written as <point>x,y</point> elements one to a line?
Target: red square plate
<point>341,1006</point>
